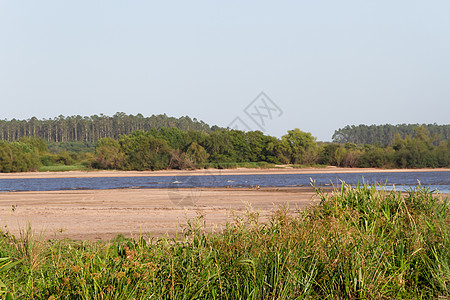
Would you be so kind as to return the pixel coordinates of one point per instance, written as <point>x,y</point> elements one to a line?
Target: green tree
<point>18,157</point>
<point>376,157</point>
<point>109,154</point>
<point>6,158</point>
<point>144,152</point>
<point>328,154</point>
<point>219,145</point>
<point>197,154</point>
<point>303,146</point>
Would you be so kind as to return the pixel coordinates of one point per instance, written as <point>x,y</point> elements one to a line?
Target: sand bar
<point>103,214</point>
<point>200,172</point>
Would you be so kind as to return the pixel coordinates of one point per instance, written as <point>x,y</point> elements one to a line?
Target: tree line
<point>173,148</point>
<point>89,129</point>
<point>385,134</point>
<point>92,128</point>
<point>178,149</point>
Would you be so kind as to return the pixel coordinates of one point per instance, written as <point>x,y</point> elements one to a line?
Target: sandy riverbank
<point>238,171</point>
<point>103,214</point>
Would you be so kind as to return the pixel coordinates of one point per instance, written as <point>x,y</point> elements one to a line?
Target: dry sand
<point>103,214</point>
<point>199,172</point>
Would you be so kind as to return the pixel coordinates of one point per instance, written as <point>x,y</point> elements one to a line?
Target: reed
<point>358,243</point>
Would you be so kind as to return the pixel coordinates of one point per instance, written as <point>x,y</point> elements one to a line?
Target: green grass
<point>309,166</point>
<point>234,165</point>
<point>62,168</point>
<point>360,243</point>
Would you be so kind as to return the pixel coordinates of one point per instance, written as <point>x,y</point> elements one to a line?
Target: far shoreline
<point>201,172</point>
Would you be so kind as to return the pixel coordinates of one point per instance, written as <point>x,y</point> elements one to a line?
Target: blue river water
<point>439,181</point>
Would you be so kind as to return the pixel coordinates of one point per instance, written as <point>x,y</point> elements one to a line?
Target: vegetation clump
<point>385,134</point>
<point>173,148</point>
<point>127,142</point>
<point>357,243</point>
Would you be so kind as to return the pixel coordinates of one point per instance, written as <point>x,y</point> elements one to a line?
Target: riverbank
<point>103,214</point>
<point>349,245</point>
<point>200,172</point>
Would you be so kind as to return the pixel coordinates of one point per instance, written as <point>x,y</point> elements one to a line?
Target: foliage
<point>173,148</point>
<point>409,152</point>
<point>144,152</point>
<point>5,265</point>
<point>90,129</point>
<point>197,154</point>
<point>385,134</point>
<point>109,154</point>
<point>302,146</point>
<point>62,168</point>
<point>358,243</point>
<point>20,156</point>
<point>71,147</point>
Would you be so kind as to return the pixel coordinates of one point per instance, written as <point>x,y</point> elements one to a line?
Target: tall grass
<point>62,168</point>
<point>358,243</point>
<point>235,165</point>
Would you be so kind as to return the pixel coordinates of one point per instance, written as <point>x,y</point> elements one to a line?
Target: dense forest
<point>128,142</point>
<point>173,148</point>
<point>385,134</point>
<point>90,129</point>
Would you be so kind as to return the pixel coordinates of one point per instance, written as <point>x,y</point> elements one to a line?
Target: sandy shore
<point>103,214</point>
<point>238,171</point>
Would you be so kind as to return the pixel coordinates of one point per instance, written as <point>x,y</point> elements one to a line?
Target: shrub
<point>358,243</point>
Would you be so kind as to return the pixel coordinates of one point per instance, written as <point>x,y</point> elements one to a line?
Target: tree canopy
<point>385,134</point>
<point>175,148</point>
<point>90,129</point>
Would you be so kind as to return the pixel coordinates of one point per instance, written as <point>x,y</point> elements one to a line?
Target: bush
<point>358,243</point>
<point>18,157</point>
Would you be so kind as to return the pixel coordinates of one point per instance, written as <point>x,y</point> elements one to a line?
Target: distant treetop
<point>92,128</point>
<point>385,134</point>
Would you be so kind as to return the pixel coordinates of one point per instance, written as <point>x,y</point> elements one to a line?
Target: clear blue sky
<point>325,64</point>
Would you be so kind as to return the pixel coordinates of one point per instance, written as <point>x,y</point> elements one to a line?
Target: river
<point>439,181</point>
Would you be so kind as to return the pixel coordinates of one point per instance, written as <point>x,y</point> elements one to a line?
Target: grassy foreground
<point>358,243</point>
